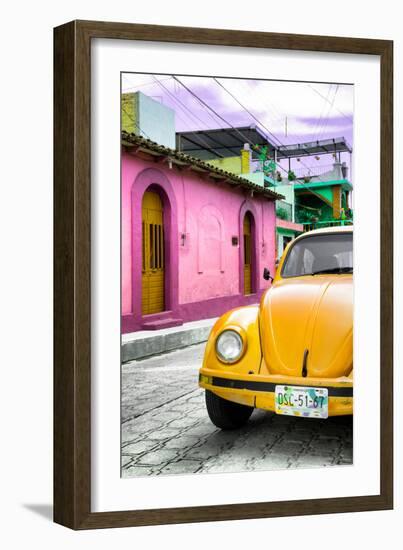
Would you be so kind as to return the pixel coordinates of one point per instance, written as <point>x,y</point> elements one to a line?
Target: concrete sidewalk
<point>144,343</point>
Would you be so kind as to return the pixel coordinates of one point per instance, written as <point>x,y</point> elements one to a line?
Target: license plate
<point>301,401</point>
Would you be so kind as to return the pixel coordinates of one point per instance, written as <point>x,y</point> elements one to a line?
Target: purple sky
<point>294,112</point>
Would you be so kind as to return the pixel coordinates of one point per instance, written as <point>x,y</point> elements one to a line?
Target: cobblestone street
<point>166,429</point>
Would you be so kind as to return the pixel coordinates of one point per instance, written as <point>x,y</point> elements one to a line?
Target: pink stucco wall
<point>206,215</point>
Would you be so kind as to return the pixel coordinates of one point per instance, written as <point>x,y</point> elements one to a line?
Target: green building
<point>324,200</point>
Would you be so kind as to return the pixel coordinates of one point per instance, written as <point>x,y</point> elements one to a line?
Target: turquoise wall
<point>156,121</point>
<point>146,117</point>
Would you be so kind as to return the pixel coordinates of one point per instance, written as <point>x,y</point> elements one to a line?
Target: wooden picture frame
<point>72,272</point>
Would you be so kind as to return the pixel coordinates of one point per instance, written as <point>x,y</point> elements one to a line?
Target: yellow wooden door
<point>152,254</point>
<point>247,255</point>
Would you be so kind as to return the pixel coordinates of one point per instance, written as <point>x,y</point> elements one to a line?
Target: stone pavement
<point>166,429</point>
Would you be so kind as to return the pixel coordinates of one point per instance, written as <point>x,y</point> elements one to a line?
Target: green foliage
<point>262,151</point>
<point>306,216</point>
<point>282,213</point>
<point>269,166</point>
<point>291,175</point>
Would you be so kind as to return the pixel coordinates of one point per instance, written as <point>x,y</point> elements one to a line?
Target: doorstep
<point>162,323</point>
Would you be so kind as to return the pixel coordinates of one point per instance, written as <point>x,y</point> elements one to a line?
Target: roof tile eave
<point>130,139</point>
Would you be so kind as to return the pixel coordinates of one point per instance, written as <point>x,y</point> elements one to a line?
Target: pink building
<point>195,239</point>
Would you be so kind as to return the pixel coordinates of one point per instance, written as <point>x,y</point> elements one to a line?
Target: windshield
<point>316,254</point>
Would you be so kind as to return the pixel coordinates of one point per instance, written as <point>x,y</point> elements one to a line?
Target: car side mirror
<point>266,274</point>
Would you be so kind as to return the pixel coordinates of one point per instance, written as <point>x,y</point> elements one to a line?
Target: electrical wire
<point>349,118</point>
<point>202,140</point>
<point>245,138</point>
<point>326,122</point>
<point>209,109</point>
<point>132,88</point>
<point>322,112</point>
<point>247,110</point>
<point>135,123</point>
<point>271,108</point>
<point>260,123</point>
<point>215,112</point>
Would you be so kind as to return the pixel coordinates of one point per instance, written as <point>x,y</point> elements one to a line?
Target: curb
<point>144,344</point>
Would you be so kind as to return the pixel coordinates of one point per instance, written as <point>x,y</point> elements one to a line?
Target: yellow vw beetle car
<point>293,353</point>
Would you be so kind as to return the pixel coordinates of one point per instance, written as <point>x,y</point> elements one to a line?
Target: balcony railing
<point>309,172</point>
<point>309,226</point>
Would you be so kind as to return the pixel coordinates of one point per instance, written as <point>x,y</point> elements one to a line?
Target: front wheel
<point>226,414</point>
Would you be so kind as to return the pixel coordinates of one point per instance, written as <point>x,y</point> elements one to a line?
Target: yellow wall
<point>129,113</point>
<point>229,164</point>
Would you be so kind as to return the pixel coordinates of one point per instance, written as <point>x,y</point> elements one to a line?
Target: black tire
<point>226,414</point>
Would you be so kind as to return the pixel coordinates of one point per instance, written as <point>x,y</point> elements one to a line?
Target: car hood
<point>308,316</point>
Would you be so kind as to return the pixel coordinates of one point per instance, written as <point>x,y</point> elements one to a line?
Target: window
<point>326,253</point>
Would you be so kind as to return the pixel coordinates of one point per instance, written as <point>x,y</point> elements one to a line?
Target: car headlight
<point>229,346</point>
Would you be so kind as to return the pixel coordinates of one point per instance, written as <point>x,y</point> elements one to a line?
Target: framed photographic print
<point>223,258</point>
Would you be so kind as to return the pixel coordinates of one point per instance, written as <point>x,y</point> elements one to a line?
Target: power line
<point>247,110</point>
<point>245,138</point>
<point>141,130</point>
<point>215,112</point>
<point>255,91</point>
<point>143,85</point>
<point>200,101</point>
<point>179,101</point>
<point>327,108</point>
<point>192,114</point>
<point>349,118</point>
<point>322,112</point>
<point>257,120</point>
<point>272,108</point>
<point>135,123</point>
<point>153,84</point>
<point>220,117</point>
<point>226,122</point>
<point>309,168</point>
<point>184,106</point>
<point>326,121</point>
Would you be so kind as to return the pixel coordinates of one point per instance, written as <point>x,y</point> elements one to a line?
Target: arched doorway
<point>153,254</point>
<point>247,254</point>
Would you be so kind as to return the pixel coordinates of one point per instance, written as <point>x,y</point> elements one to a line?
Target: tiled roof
<point>182,160</point>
